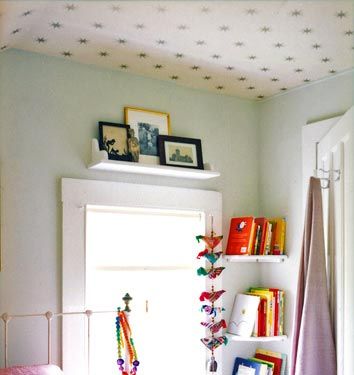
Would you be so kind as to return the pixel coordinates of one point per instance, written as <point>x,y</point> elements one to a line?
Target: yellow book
<point>269,296</point>
<point>278,240</point>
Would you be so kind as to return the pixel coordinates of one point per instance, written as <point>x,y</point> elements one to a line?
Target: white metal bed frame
<point>49,315</point>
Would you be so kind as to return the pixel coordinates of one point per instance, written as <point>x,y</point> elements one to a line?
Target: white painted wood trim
<point>76,195</point>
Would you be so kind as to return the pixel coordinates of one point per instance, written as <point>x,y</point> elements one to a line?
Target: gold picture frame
<point>148,125</point>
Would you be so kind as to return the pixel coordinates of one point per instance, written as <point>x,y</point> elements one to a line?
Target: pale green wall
<point>280,167</point>
<point>49,110</point>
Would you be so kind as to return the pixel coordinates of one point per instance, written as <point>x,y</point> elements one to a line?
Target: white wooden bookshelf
<point>232,337</point>
<point>101,162</point>
<point>255,258</point>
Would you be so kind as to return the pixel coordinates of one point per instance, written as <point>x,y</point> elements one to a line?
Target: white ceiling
<point>250,49</point>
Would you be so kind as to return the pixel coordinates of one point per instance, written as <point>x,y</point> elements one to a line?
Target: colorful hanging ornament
<point>210,310</point>
<point>214,327</point>
<point>212,342</point>
<point>124,340</point>
<point>211,241</point>
<point>211,296</point>
<point>212,273</point>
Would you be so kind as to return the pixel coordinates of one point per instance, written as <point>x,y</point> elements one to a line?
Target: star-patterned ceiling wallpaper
<point>249,49</point>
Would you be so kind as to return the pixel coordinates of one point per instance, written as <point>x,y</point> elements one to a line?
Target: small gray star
<point>161,9</point>
<point>142,55</point>
<point>98,25</point>
<point>307,80</point>
<point>264,69</point>
<point>341,14</point>
<point>216,57</point>
<point>158,66</point>
<point>140,26</point>
<point>260,96</point>
<point>298,70</point>
<point>124,66</point>
<point>296,13</point>
<point>195,67</point>
<point>27,13</point>
<point>116,8</point>
<point>242,79</point>
<point>182,27</point>
<point>307,30</point>
<point>16,31</point>
<point>220,87</point>
<point>289,58</point>
<point>349,32</point>
<point>161,42</point>
<point>83,41</point>
<point>67,53</point>
<point>316,46</point>
<point>121,41</point>
<point>205,10</point>
<point>229,68</point>
<point>283,89</point>
<point>224,28</point>
<point>200,42</point>
<point>103,53</point>
<point>252,57</point>
<point>56,25</point>
<point>250,88</point>
<point>274,79</point>
<point>326,60</point>
<point>251,12</point>
<point>207,78</point>
<point>239,44</point>
<point>70,7</point>
<point>179,55</point>
<point>41,40</point>
<point>174,78</point>
<point>265,29</point>
<point>332,71</point>
<point>278,45</point>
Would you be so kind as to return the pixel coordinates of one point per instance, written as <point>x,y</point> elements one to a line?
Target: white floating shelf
<point>101,162</point>
<point>232,337</point>
<point>256,258</point>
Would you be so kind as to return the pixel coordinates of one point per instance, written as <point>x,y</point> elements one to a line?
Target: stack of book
<point>264,362</point>
<point>259,312</point>
<point>256,236</point>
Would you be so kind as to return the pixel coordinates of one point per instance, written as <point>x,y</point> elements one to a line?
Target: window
<point>150,254</point>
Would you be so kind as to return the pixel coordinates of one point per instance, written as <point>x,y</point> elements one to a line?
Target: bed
<point>32,370</point>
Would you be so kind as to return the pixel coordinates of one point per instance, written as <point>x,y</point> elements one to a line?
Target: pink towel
<point>32,370</point>
<point>313,351</point>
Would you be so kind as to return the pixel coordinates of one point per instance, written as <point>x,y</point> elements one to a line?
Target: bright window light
<point>151,254</point>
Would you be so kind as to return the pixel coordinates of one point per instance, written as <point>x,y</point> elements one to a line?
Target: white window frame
<point>76,195</point>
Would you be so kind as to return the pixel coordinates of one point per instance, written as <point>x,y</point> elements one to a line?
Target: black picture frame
<point>117,143</point>
<point>180,152</point>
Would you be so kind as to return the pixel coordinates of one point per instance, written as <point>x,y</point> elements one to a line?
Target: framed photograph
<point>181,152</point>
<point>148,126</point>
<point>114,139</point>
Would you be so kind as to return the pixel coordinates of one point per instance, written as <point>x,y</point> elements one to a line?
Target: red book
<point>268,358</point>
<point>241,236</point>
<point>262,222</point>
<point>262,317</point>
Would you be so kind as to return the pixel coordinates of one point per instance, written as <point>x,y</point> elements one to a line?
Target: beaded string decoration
<point>212,342</point>
<point>125,341</point>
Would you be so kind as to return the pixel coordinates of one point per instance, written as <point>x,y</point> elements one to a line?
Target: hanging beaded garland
<point>212,342</point>
<point>124,340</point>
